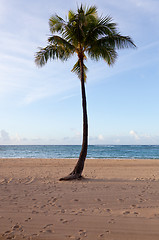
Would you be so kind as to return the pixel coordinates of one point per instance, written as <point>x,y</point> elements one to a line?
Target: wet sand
<point>117,200</point>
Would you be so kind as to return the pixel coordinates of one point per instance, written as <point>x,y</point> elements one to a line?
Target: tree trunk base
<point>72,176</point>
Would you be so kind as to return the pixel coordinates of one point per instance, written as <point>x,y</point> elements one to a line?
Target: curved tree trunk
<point>76,173</point>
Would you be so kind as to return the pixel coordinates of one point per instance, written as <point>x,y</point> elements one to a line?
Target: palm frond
<point>105,26</point>
<point>76,69</point>
<point>102,50</point>
<point>91,11</point>
<point>52,51</point>
<point>121,41</point>
<point>56,24</point>
<point>98,28</point>
<point>71,15</point>
<point>57,40</point>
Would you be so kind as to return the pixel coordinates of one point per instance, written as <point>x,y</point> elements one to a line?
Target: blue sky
<point>43,106</point>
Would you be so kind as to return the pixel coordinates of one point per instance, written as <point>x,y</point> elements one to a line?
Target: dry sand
<point>117,200</point>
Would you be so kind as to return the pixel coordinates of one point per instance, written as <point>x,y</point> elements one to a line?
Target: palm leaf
<point>71,15</point>
<point>57,40</point>
<point>100,51</point>
<point>98,28</point>
<point>121,41</point>
<point>56,24</point>
<point>76,69</point>
<point>91,11</point>
<point>51,52</point>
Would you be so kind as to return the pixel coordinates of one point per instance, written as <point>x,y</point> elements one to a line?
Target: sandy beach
<point>117,200</point>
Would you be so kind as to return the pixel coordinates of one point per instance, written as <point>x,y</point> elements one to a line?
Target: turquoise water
<point>73,151</point>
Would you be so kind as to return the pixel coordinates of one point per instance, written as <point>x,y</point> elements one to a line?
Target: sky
<point>43,105</point>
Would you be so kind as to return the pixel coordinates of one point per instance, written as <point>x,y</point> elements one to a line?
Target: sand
<point>117,200</point>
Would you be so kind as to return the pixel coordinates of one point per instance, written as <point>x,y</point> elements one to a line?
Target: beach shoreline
<point>118,199</point>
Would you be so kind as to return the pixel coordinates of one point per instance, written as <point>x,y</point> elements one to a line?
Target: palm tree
<point>83,33</point>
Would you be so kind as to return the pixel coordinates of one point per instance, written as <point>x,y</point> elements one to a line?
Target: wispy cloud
<point>149,6</point>
<point>134,134</point>
<point>20,74</point>
<point>132,138</point>
<point>8,139</point>
<point>5,138</point>
<point>17,55</point>
<point>100,137</point>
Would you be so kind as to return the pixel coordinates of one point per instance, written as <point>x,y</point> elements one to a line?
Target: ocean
<point>73,151</point>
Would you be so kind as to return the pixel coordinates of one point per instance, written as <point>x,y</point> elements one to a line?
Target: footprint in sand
<point>133,205</point>
<point>63,211</point>
<point>126,212</point>
<point>111,220</point>
<point>52,201</point>
<point>9,235</point>
<point>34,212</point>
<point>7,232</point>
<point>82,233</point>
<point>48,225</point>
<point>63,220</point>
<point>34,235</point>
<point>43,206</point>
<point>66,221</point>
<point>142,200</point>
<point>98,200</point>
<point>2,181</point>
<point>26,181</point>
<point>5,180</point>
<point>83,210</point>
<point>48,228</point>
<point>49,231</point>
<point>28,219</point>
<point>102,235</point>
<point>78,212</point>
<point>16,227</point>
<point>136,213</point>
<point>29,180</point>
<point>108,210</point>
<point>121,200</point>
<point>73,237</point>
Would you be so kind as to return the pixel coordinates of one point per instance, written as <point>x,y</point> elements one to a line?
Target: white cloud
<point>7,139</point>
<point>4,136</point>
<point>100,137</point>
<point>150,6</point>
<point>76,139</point>
<point>134,134</point>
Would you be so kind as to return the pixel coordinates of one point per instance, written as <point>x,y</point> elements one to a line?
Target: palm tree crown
<point>83,33</point>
